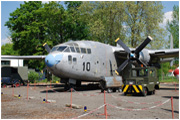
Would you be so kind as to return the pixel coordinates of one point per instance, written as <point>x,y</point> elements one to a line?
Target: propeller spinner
<point>132,55</point>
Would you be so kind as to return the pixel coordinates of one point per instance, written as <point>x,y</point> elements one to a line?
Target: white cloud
<point>6,40</point>
<point>167,16</point>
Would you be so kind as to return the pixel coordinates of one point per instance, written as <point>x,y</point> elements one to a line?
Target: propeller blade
<point>47,47</point>
<point>123,45</point>
<point>143,45</point>
<point>122,66</point>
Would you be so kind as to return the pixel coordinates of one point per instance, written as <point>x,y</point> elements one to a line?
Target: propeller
<point>47,47</point>
<point>132,55</point>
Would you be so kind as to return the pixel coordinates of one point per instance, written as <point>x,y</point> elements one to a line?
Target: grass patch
<point>169,79</point>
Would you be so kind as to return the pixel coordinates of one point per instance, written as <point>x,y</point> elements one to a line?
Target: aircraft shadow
<point>60,88</point>
<point>169,110</point>
<point>174,97</point>
<point>169,88</point>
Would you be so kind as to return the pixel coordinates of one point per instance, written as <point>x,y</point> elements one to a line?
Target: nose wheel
<point>69,86</point>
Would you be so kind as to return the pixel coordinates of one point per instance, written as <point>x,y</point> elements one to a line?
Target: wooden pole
<point>172,107</point>
<point>71,98</point>
<point>105,107</point>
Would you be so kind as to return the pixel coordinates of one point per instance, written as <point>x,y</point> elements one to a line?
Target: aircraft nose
<point>51,60</point>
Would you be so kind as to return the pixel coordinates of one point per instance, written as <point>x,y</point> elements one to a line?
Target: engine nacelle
<point>144,56</point>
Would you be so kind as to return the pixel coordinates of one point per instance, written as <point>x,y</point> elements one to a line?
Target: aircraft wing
<point>23,57</point>
<point>166,53</point>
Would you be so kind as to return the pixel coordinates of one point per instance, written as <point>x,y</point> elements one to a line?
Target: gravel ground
<point>34,108</point>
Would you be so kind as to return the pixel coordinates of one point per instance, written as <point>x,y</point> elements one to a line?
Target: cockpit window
<point>83,50</point>
<point>54,49</point>
<point>67,49</point>
<point>77,49</point>
<point>61,48</point>
<point>72,49</point>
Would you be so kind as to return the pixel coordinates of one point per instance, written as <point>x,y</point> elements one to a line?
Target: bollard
<point>19,96</point>
<point>44,100</point>
<point>1,93</point>
<point>172,107</point>
<point>85,108</point>
<point>71,98</point>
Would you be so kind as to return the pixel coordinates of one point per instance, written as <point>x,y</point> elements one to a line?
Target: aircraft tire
<point>102,90</point>
<point>114,89</point>
<point>119,90</point>
<point>157,87</point>
<point>109,90</point>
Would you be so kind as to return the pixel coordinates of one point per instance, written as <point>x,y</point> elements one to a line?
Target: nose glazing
<point>51,60</point>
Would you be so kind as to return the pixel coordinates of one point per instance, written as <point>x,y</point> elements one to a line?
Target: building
<point>12,62</point>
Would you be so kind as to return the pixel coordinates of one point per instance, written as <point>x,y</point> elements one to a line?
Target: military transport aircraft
<point>90,61</point>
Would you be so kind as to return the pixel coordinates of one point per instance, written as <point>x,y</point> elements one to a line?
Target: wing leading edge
<point>23,57</point>
<point>166,53</point>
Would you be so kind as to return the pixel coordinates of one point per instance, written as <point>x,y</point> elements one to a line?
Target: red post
<point>27,90</point>
<point>172,107</point>
<point>105,107</point>
<point>71,99</point>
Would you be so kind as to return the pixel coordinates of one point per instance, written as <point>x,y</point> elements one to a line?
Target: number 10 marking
<point>86,66</point>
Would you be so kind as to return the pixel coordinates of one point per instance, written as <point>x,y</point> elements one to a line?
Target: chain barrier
<point>89,112</point>
<point>134,102</point>
<point>127,109</point>
<point>87,94</point>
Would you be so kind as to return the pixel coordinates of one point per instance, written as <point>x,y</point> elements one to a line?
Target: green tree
<point>142,19</point>
<point>35,23</point>
<point>173,26</point>
<point>7,49</point>
<point>77,29</point>
<point>104,20</point>
<point>131,21</point>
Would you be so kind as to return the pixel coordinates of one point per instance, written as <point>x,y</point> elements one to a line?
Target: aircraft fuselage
<point>82,60</point>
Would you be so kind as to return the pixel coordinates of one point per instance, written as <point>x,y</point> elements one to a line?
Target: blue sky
<point>8,7</point>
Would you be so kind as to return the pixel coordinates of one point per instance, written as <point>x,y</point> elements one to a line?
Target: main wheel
<point>109,90</point>
<point>114,89</point>
<point>119,90</point>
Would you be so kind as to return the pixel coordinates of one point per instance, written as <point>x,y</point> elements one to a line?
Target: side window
<point>72,49</point>
<point>88,50</point>
<point>77,49</point>
<point>152,73</point>
<point>83,50</point>
<point>69,59</point>
<point>134,73</point>
<point>74,60</point>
